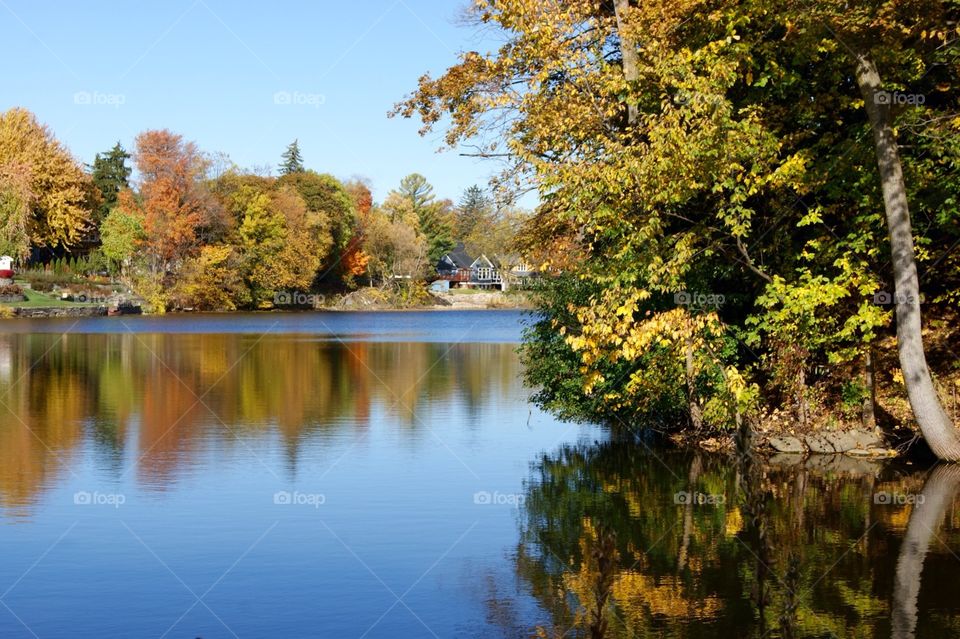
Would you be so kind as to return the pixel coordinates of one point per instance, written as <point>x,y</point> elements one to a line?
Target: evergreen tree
<point>415,188</point>
<point>433,217</point>
<point>435,226</point>
<point>111,175</point>
<point>474,208</point>
<point>292,160</point>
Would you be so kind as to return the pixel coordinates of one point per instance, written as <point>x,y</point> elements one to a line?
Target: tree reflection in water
<point>159,398</point>
<point>701,545</point>
<point>937,497</point>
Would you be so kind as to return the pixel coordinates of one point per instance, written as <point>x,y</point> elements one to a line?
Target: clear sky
<point>241,77</point>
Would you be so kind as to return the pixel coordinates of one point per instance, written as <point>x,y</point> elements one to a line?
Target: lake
<point>384,475</point>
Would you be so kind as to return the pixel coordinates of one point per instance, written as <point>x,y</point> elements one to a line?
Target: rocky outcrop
<point>60,311</point>
<point>858,443</point>
<point>787,445</point>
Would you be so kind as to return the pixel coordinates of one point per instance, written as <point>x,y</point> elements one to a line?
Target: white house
<point>6,263</point>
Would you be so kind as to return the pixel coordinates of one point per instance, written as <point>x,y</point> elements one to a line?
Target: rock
<point>842,441</point>
<point>787,445</point>
<point>61,311</point>
<point>865,439</point>
<point>819,444</point>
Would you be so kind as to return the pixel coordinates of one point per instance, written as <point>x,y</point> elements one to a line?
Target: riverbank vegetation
<point>743,198</point>
<point>187,229</point>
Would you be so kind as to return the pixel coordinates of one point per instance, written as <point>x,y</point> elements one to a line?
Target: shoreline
<point>48,312</point>
<point>346,303</point>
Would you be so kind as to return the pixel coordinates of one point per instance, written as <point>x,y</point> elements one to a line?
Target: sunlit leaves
<point>44,191</point>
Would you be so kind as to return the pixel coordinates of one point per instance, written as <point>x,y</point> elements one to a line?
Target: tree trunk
<point>870,399</point>
<point>935,424</point>
<point>628,53</point>
<point>696,416</point>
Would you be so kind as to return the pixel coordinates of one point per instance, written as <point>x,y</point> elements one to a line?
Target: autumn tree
<point>325,196</point>
<point>907,44</point>
<point>395,249</point>
<point>721,152</point>
<point>15,212</point>
<point>45,191</point>
<point>353,259</point>
<point>280,243</point>
<point>211,281</point>
<point>171,196</point>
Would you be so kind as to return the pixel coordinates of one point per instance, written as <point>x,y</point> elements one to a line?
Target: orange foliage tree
<point>172,198</point>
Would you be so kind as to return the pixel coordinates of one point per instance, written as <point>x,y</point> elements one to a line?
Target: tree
<point>474,210</point>
<point>50,184</point>
<point>111,175</point>
<point>122,233</point>
<point>172,197</point>
<point>15,200</point>
<point>353,259</point>
<point>723,152</point>
<point>937,427</point>
<point>433,217</point>
<point>395,249</point>
<point>435,222</point>
<point>417,190</point>
<point>324,195</point>
<point>292,160</point>
<point>211,281</point>
<point>281,243</point>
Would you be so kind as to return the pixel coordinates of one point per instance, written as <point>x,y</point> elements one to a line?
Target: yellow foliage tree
<point>55,191</point>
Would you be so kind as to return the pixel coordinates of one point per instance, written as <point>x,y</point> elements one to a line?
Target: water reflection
<point>150,402</point>
<point>937,497</point>
<point>619,541</point>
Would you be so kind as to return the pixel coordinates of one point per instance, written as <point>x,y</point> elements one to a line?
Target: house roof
<point>458,257</point>
<point>482,262</point>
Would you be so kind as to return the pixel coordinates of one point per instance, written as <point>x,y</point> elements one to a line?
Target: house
<point>484,274</point>
<point>455,265</point>
<point>517,271</point>
<point>6,268</point>
<point>461,270</point>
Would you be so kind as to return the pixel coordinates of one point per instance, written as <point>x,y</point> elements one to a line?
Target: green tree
<point>433,216</point>
<point>122,233</point>
<point>474,209</point>
<point>111,175</point>
<point>292,159</point>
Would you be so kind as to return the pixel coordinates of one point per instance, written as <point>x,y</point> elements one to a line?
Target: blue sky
<point>221,73</point>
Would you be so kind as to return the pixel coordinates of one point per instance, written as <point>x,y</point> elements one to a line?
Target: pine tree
<point>292,160</point>
<point>432,216</point>
<point>111,175</point>
<point>474,208</point>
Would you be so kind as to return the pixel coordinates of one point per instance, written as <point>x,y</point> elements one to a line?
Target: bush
<point>10,289</point>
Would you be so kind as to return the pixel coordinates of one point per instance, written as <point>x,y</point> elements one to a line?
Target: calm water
<point>383,475</point>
